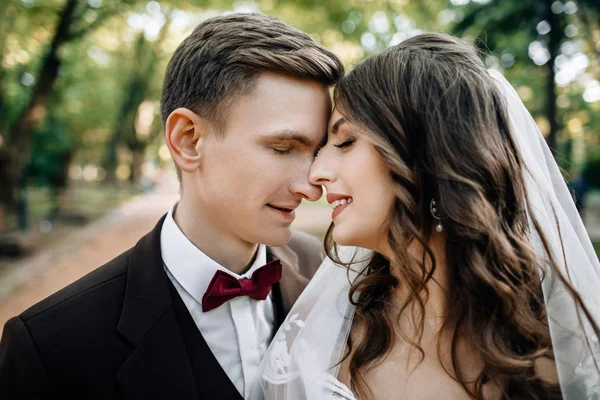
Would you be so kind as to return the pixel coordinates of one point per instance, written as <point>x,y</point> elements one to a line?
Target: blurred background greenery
<point>80,83</point>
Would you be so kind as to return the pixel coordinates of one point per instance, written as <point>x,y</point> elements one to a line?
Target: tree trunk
<point>137,161</point>
<point>7,203</point>
<point>21,132</point>
<point>19,136</point>
<point>136,88</point>
<point>111,157</point>
<point>59,184</point>
<point>7,11</point>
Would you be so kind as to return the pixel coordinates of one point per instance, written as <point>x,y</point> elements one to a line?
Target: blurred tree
<point>541,24</point>
<point>50,159</point>
<point>137,87</point>
<point>105,76</point>
<point>72,25</point>
<point>591,171</point>
<point>588,19</point>
<point>7,11</point>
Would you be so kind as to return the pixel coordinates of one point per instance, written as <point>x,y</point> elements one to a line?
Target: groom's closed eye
<point>281,147</point>
<point>281,151</point>
<point>284,142</point>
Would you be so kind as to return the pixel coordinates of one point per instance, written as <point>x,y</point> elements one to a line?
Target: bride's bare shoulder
<point>545,369</point>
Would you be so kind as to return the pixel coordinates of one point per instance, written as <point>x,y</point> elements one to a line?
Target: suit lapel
<point>158,366</point>
<point>210,377</point>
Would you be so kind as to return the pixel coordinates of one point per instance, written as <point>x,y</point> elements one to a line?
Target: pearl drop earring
<point>434,213</point>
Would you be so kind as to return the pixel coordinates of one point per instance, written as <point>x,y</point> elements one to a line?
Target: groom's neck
<point>232,253</point>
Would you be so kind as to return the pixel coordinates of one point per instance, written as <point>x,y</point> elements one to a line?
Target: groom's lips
<point>287,212</point>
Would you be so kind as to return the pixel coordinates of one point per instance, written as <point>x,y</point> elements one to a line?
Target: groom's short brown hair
<point>223,56</point>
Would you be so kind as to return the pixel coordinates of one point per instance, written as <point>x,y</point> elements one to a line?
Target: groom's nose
<point>302,187</point>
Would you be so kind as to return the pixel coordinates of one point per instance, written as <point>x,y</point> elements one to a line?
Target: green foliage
<point>109,67</point>
<point>564,30</point>
<point>50,155</point>
<point>591,170</point>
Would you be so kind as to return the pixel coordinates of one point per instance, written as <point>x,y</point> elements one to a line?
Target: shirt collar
<point>189,265</point>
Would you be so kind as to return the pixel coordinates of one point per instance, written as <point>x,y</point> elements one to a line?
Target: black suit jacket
<point>122,332</point>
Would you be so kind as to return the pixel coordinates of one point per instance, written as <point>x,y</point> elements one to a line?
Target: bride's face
<point>358,185</point>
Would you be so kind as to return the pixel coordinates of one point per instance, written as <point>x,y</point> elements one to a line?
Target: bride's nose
<point>321,172</point>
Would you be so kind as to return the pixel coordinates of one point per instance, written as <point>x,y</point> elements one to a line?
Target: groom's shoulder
<point>304,242</point>
<point>101,292</point>
<point>92,289</point>
<point>308,248</point>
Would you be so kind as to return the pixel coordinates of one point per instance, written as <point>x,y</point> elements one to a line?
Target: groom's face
<point>255,173</point>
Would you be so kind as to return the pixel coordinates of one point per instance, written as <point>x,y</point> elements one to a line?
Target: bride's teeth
<point>341,202</point>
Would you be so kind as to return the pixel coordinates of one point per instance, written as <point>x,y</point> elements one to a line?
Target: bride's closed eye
<point>346,143</point>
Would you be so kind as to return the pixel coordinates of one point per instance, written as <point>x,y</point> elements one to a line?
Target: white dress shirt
<point>237,332</point>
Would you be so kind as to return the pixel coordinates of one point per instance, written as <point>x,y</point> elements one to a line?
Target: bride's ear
<point>184,135</point>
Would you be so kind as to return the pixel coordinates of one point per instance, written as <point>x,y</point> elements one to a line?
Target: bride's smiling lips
<point>339,203</point>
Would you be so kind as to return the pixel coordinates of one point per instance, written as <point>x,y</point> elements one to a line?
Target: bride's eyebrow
<point>336,126</point>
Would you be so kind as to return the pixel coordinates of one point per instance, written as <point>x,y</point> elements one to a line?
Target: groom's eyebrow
<point>291,136</point>
<point>336,126</point>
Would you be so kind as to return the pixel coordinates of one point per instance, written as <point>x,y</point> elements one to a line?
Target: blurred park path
<point>33,278</point>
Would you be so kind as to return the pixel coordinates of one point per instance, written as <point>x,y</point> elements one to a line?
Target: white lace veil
<point>301,363</point>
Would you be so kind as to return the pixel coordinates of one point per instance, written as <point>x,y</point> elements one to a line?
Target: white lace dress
<point>336,390</point>
<point>282,378</point>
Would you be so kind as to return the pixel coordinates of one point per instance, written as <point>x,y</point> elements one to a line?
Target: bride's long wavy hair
<point>441,126</point>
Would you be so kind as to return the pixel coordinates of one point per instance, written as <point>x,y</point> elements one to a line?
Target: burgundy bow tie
<point>224,287</point>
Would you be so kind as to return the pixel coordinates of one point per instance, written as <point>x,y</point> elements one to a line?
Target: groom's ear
<point>184,133</point>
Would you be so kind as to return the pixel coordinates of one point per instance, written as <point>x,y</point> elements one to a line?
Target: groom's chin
<point>277,237</point>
